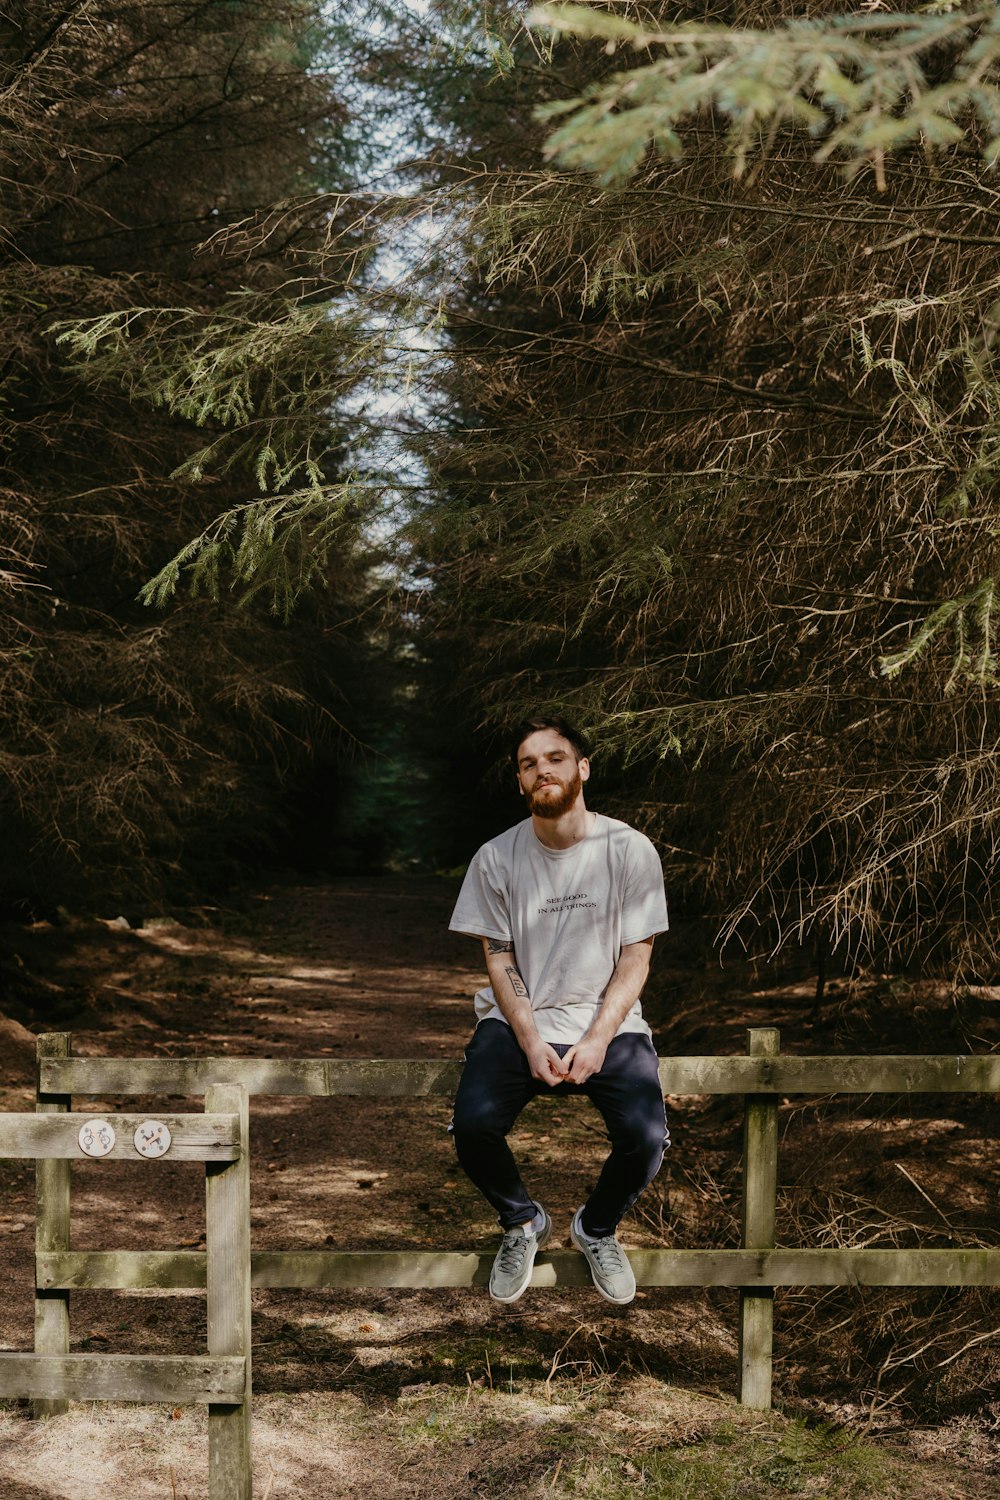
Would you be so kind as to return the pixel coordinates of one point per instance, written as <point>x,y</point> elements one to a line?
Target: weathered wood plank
<point>948,1074</point>
<point>185,1269</point>
<point>227,1262</point>
<point>758,1217</point>
<point>52,1220</point>
<point>175,1378</point>
<point>378,1078</point>
<point>122,1269</point>
<point>392,1078</point>
<point>195,1137</point>
<point>794,1267</point>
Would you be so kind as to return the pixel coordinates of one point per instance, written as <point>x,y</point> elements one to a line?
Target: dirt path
<point>346,1383</point>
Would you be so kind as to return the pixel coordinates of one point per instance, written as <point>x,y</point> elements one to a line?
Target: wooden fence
<point>763,1076</point>
<point>52,1376</point>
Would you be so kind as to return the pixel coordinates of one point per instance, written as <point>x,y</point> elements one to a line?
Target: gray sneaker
<point>512,1267</point>
<point>609,1265</point>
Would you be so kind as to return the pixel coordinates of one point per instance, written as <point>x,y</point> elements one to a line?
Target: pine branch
<point>864,86</point>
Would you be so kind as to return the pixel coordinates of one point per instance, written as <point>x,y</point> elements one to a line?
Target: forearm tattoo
<point>506,945</point>
<point>516,982</point>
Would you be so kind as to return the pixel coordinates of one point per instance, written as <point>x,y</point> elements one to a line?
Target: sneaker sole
<point>542,1241</point>
<point>618,1301</point>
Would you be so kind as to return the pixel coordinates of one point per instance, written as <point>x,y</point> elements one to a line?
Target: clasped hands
<point>580,1063</point>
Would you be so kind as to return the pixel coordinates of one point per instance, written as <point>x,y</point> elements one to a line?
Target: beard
<point>556,798</point>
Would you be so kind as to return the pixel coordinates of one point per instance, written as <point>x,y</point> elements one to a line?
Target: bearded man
<point>566,904</point>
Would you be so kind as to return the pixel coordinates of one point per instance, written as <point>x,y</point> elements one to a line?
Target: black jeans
<point>497,1084</point>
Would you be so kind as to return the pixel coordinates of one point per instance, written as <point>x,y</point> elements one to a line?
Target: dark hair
<point>561,726</point>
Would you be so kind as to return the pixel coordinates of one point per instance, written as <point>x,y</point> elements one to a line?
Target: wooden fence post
<point>227,1254</point>
<point>52,1197</point>
<point>760,1191</point>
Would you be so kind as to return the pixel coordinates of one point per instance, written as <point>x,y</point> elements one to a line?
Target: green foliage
<point>267,380</point>
<point>249,358</point>
<point>282,548</point>
<point>863,85</point>
<point>971,615</point>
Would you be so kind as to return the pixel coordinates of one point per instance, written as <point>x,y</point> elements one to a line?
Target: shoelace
<point>512,1251</point>
<point>608,1254</point>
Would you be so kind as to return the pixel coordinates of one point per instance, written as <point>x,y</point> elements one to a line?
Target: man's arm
<point>624,988</point>
<point>515,1004</point>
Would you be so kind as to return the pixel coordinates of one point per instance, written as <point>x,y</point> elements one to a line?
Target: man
<point>566,904</point>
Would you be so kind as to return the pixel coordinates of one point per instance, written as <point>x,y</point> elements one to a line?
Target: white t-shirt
<point>569,913</point>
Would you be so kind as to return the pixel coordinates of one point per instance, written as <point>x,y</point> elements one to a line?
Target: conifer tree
<point>719,477</point>
<point>147,148</point>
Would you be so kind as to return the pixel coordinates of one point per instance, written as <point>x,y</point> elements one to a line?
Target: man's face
<point>549,774</point>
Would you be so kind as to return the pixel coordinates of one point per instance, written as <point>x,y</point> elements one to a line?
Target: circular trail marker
<point>152,1138</point>
<point>97,1138</point>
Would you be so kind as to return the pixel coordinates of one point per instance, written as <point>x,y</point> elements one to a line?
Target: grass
<point>729,1464</point>
<point>605,1438</point>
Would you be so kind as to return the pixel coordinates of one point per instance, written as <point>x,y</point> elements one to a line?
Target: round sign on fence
<point>152,1138</point>
<point>97,1138</point>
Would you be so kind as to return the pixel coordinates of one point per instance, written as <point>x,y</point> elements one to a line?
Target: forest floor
<point>442,1394</point>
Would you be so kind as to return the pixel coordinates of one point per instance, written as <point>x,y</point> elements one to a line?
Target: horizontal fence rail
<point>184,1270</point>
<point>57,1137</point>
<point>173,1378</point>
<point>961,1073</point>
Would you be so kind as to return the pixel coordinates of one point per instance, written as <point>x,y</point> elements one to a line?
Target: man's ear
<point>583,766</point>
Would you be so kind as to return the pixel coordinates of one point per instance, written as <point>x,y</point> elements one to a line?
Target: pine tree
<point>719,478</point>
<point>148,147</point>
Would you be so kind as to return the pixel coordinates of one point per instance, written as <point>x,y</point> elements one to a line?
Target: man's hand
<point>545,1063</point>
<point>585,1059</point>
